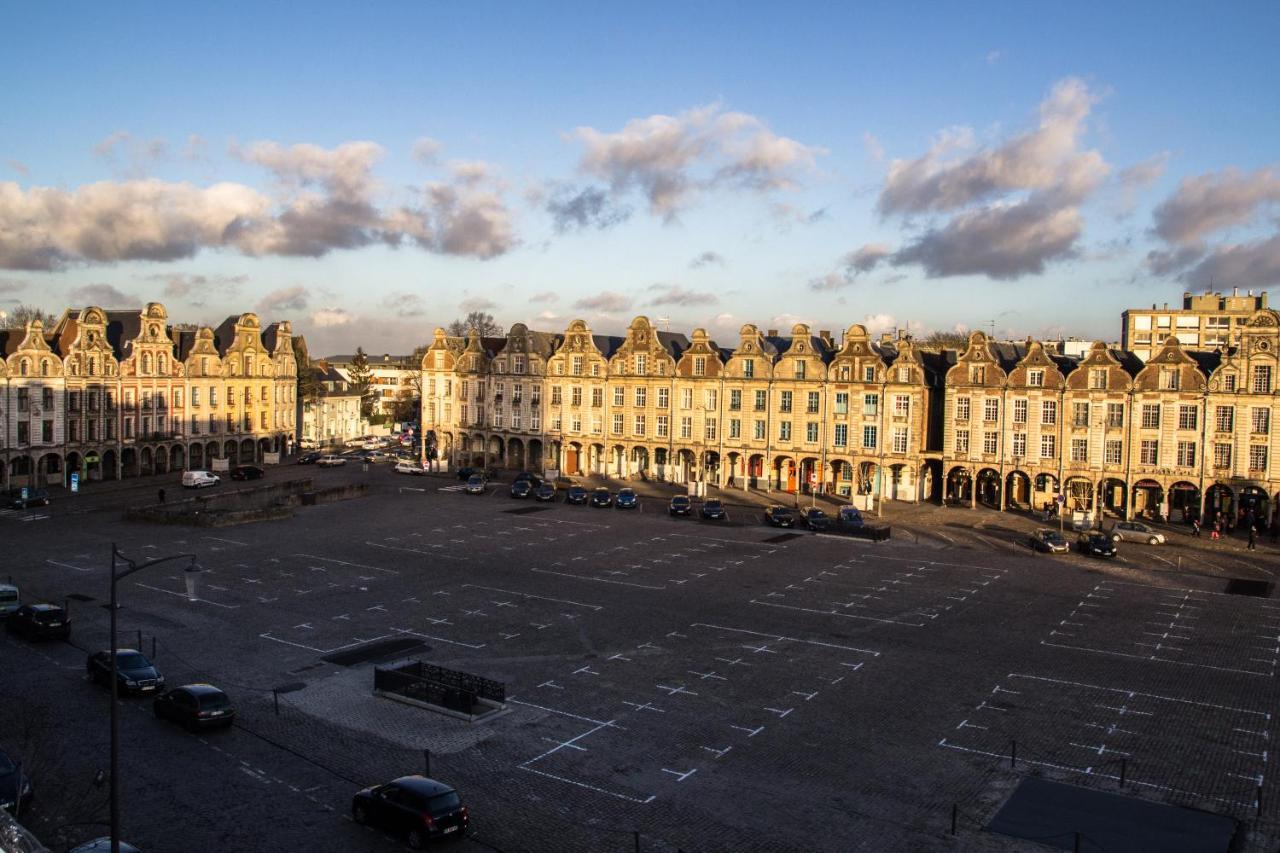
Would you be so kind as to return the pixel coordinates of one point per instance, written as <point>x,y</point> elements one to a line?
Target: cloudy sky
<point>372,173</point>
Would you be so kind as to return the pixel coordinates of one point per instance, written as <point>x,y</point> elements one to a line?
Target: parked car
<point>532,479</point>
<point>39,622</point>
<point>33,497</point>
<point>310,458</point>
<point>103,845</point>
<point>851,518</point>
<point>405,466</point>
<point>779,516</point>
<point>136,674</point>
<point>465,474</point>
<point>9,599</point>
<point>1096,545</point>
<point>545,492</point>
<point>1049,541</point>
<point>247,472</point>
<point>330,461</point>
<point>576,495</point>
<point>418,808</point>
<point>475,485</point>
<point>680,505</point>
<point>195,706</point>
<point>16,789</point>
<point>1136,531</point>
<point>601,498</point>
<point>713,510</point>
<point>307,444</point>
<point>815,519</point>
<point>521,489</point>
<point>627,499</point>
<point>199,479</point>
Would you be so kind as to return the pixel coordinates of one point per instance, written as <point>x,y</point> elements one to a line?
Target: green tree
<point>309,374</point>
<point>360,376</point>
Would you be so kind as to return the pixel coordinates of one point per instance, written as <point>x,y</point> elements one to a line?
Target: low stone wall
<point>265,502</point>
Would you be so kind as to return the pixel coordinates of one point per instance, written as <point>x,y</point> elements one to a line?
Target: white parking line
<point>345,563</point>
<point>539,597</point>
<point>597,580</point>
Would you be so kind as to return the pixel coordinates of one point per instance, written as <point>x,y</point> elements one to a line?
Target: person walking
<point>162,494</point>
<point>1253,537</point>
<point>1195,528</point>
<point>1217,529</point>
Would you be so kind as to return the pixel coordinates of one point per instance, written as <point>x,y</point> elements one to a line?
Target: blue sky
<point>373,173</point>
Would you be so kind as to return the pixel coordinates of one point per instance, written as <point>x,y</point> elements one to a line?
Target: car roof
<point>201,689</point>
<point>422,785</point>
<point>43,607</point>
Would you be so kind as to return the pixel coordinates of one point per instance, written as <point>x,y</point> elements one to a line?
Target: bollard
<point>637,834</point>
<point>426,761</point>
<point>1076,848</point>
<point>275,697</point>
<point>1013,754</point>
<point>1122,769</point>
<point>955,813</point>
<point>1259,801</point>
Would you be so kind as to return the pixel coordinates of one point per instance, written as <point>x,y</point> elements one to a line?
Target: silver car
<point>1136,531</point>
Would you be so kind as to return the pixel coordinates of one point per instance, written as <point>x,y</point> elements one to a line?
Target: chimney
<point>886,338</point>
<point>772,333</point>
<point>1235,291</point>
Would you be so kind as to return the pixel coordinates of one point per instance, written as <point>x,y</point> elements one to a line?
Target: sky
<point>372,173</point>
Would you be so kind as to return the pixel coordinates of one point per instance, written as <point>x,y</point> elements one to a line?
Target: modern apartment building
<point>391,378</point>
<point>1206,321</point>
<point>110,394</point>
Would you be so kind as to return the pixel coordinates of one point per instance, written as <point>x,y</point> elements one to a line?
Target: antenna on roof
<point>666,323</point>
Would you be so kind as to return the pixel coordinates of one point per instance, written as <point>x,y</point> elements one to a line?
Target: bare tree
<point>945,340</point>
<point>480,321</point>
<point>21,315</point>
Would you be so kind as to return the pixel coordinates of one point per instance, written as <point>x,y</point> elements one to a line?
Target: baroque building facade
<point>1006,425</point>
<point>122,393</point>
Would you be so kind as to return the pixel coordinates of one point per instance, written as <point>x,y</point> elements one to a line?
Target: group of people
<point>1225,523</point>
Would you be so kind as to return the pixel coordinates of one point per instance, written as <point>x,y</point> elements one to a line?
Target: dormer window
<point>1035,378</point>
<point>800,367</point>
<point>700,366</point>
<point>868,373</point>
<point>641,364</point>
<point>748,366</point>
<point>978,375</point>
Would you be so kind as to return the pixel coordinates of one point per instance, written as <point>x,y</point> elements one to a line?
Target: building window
<point>1187,417</point>
<point>1080,414</point>
<point>619,395</point>
<point>642,397</point>
<point>1222,456</point>
<point>1048,411</point>
<point>1257,457</point>
<point>962,442</point>
<point>735,428</point>
<point>1170,378</point>
<point>901,405</point>
<point>663,426</point>
<point>595,368</point>
<point>699,365</point>
<point>871,404</point>
<point>841,438</point>
<point>557,394</point>
<point>1035,378</point>
<point>686,427</point>
<point>842,403</point>
<point>1019,445</point>
<point>597,398</point>
<point>664,398</point>
<point>869,436</point>
<point>642,364</point>
<point>800,368</point>
<point>904,374</point>
<point>1115,414</point>
<point>1020,411</point>
<point>1261,382</point>
<point>1186,454</point>
<point>990,442</point>
<point>978,375</point>
<point>735,400</point>
<point>686,398</point>
<point>1229,382</point>
<point>811,432</point>
<point>46,432</point>
<point>596,425</point>
<point>577,365</point>
<point>784,404</point>
<point>784,431</point>
<point>1098,379</point>
<point>519,364</point>
<point>811,404</point>
<point>1150,415</point>
<point>710,431</point>
<point>758,431</point>
<point>710,399</point>
<point>1079,450</point>
<point>868,373</point>
<point>1261,419</point>
<point>1224,418</point>
<point>962,408</point>
<point>748,367</point>
<point>617,423</point>
<point>761,400</point>
<point>1113,451</point>
<point>1048,446</point>
<point>24,432</point>
<point>990,410</point>
<point>1149,452</point>
<point>575,395</point>
<point>639,425</point>
<point>899,439</point>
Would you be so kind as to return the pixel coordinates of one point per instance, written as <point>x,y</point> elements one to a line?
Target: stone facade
<point>1006,425</point>
<point>111,394</point>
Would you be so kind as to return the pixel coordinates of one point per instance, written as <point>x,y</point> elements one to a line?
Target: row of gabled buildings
<point>108,394</point>
<point>1009,425</point>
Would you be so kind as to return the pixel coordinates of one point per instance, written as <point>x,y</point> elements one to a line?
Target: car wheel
<point>359,815</point>
<point>416,839</point>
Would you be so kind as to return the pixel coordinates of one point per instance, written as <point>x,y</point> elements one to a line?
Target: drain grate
<point>525,510</point>
<point>373,651</point>
<point>784,537</point>
<point>1243,586</point>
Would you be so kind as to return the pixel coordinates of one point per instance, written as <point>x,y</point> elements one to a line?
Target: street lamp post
<point>130,566</point>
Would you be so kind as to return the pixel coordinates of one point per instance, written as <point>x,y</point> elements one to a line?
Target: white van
<point>8,599</point>
<point>199,479</point>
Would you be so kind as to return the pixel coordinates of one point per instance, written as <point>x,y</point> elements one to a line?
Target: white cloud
<point>852,265</point>
<point>287,299</point>
<point>545,296</point>
<point>104,296</point>
<point>404,304</point>
<point>1205,204</point>
<point>707,259</point>
<point>994,56</point>
<point>674,294</point>
<point>477,303</point>
<point>426,150</point>
<point>330,317</point>
<point>874,149</point>
<point>606,302</point>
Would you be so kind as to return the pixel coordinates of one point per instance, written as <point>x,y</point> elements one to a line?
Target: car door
<point>400,813</point>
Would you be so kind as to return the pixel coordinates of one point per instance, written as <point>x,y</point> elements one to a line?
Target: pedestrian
<point>162,494</point>
<point>1217,527</point>
<point>1253,538</point>
<point>1195,527</point>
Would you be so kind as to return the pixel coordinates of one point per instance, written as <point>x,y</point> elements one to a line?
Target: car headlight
<point>129,682</point>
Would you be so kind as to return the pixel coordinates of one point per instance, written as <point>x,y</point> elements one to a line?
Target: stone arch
<point>231,451</point>
<point>247,451</point>
<point>1018,490</point>
<point>160,460</point>
<point>1184,501</point>
<point>196,456</point>
<point>109,465</point>
<point>515,454</point>
<point>784,473</point>
<point>129,462</point>
<point>535,452</point>
<point>146,467</point>
<point>989,487</point>
<point>959,485</point>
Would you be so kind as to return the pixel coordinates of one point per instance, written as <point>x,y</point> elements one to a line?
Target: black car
<point>135,672</point>
<point>521,489</point>
<point>247,472</point>
<point>815,519</point>
<point>627,499</point>
<point>532,479</point>
<point>545,492</point>
<point>416,807</point>
<point>680,505</point>
<point>713,510</point>
<point>1096,545</point>
<point>16,790</point>
<point>34,497</point>
<point>310,458</point>
<point>39,622</point>
<point>601,498</point>
<point>195,706</point>
<point>1049,541</point>
<point>576,495</point>
<point>780,516</point>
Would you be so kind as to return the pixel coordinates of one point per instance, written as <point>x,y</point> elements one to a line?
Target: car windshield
<point>680,501</point>
<point>442,804</point>
<point>781,511</point>
<point>711,504</point>
<point>817,513</point>
<point>578,490</point>
<point>1053,536</point>
<point>48,615</point>
<point>132,660</point>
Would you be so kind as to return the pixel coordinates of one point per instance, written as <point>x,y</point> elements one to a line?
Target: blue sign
<point>25,493</point>
<point>75,481</point>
